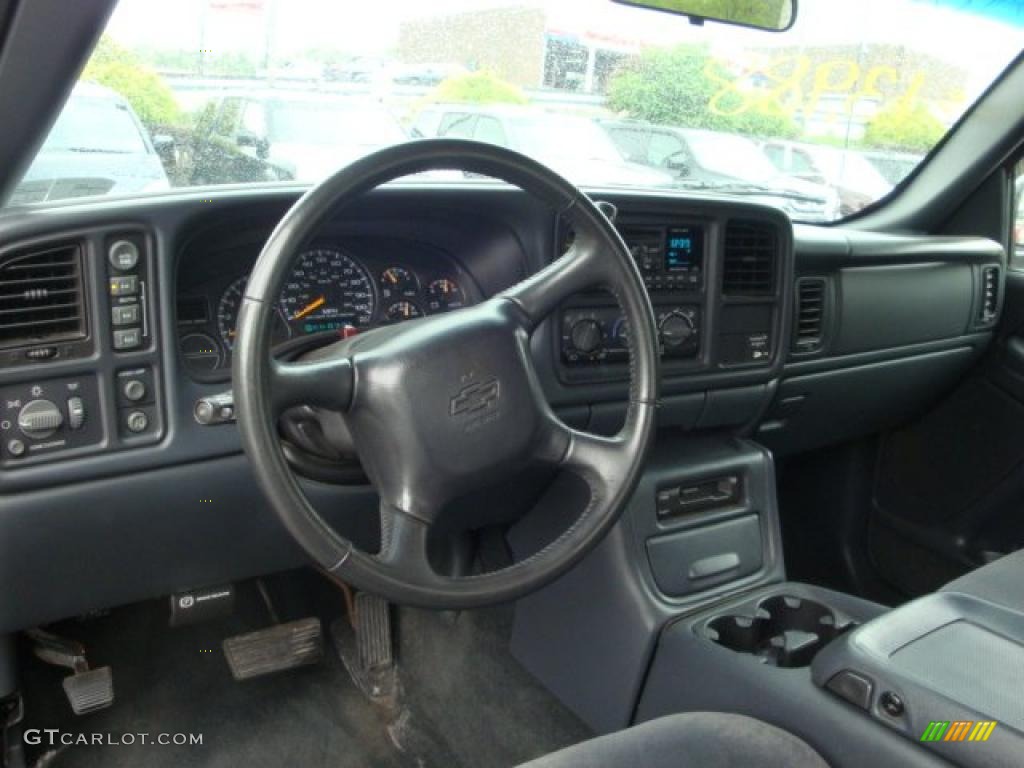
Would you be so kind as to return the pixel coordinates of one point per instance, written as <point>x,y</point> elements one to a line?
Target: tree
<point>119,69</point>
<point>898,126</point>
<point>684,86</point>
<point>482,87</point>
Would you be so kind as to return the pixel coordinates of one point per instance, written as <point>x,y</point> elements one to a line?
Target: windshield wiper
<point>748,188</point>
<point>97,151</point>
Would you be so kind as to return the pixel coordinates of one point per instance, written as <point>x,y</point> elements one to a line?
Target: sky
<point>951,29</point>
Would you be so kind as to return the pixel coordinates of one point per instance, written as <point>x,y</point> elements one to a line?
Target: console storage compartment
<point>955,658</point>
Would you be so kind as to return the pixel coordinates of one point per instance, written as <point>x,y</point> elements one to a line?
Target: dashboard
<point>337,287</point>
<point>116,330</point>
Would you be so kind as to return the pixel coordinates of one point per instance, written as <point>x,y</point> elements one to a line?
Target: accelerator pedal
<point>281,647</point>
<point>88,690</point>
<point>366,648</point>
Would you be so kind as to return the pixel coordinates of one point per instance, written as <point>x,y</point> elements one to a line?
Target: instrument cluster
<point>329,290</point>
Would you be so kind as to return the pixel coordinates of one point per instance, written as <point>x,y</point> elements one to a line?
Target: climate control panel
<point>591,335</point>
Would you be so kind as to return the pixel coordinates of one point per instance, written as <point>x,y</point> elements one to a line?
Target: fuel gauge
<point>398,283</point>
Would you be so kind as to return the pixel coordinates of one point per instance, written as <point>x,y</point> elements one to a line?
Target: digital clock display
<point>684,249</point>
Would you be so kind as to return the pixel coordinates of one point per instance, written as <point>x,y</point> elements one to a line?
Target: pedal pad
<point>90,690</point>
<point>281,647</point>
<point>366,650</point>
<point>373,632</point>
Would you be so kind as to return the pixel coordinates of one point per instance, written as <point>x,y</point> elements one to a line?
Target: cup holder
<point>784,631</point>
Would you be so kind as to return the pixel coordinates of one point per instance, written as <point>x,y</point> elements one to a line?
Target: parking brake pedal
<point>366,648</point>
<point>281,647</point>
<point>88,690</point>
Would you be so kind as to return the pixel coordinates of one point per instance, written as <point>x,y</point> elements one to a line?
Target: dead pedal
<point>281,647</point>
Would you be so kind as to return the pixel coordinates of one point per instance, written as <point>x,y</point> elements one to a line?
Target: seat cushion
<point>700,740</point>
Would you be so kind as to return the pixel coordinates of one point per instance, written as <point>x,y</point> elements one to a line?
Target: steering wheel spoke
<point>326,382</point>
<point>580,268</point>
<point>595,458</point>
<point>403,547</point>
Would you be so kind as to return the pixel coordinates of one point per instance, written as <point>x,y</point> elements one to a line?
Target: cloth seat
<point>697,740</point>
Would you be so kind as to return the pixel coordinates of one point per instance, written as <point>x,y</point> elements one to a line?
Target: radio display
<point>684,249</point>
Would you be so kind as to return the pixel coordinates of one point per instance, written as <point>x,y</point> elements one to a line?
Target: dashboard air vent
<point>750,253</point>
<point>41,297</point>
<point>808,336</point>
<point>989,295</point>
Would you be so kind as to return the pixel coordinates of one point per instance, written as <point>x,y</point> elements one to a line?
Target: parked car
<point>97,146</point>
<point>720,160</point>
<point>857,182</point>
<point>425,74</point>
<point>286,135</point>
<point>894,166</point>
<point>574,146</point>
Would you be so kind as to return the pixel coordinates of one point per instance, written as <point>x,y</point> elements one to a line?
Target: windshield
<point>821,120</point>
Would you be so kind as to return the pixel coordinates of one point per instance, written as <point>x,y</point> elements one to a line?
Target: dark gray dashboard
<point>889,323</point>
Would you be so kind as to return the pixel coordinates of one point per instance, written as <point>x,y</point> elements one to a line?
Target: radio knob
<point>586,335</point>
<point>39,419</point>
<point>676,329</point>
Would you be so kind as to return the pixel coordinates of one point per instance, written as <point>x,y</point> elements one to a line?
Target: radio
<point>670,258</point>
<point>601,334</point>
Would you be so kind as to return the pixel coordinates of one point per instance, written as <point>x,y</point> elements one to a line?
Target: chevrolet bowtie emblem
<point>476,397</point>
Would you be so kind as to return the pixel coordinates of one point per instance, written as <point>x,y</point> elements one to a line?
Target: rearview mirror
<point>770,15</point>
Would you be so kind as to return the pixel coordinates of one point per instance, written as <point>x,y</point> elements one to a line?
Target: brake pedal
<point>281,647</point>
<point>366,648</point>
<point>88,690</point>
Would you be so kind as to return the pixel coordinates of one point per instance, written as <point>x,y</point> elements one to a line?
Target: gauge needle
<point>315,304</point>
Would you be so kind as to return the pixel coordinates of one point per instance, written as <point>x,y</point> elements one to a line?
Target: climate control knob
<point>675,329</point>
<point>586,335</point>
<point>39,419</point>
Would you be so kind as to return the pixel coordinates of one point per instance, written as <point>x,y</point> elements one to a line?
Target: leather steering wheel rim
<point>460,389</point>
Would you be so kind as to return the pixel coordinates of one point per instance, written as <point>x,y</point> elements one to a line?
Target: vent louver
<point>750,252</point>
<point>41,297</point>
<point>989,294</point>
<point>810,315</point>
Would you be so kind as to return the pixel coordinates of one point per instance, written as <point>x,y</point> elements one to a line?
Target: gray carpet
<point>467,703</point>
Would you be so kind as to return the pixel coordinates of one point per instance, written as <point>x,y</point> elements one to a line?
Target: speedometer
<point>327,291</point>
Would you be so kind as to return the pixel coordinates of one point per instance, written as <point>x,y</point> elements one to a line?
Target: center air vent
<point>808,336</point>
<point>41,297</point>
<point>750,255</point>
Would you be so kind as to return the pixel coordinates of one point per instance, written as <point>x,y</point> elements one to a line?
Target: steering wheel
<point>447,404</point>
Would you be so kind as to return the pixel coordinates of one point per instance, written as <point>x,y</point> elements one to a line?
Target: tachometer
<point>227,315</point>
<point>327,291</point>
<point>444,294</point>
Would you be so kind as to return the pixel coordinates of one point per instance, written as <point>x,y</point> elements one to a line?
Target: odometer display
<point>327,291</point>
